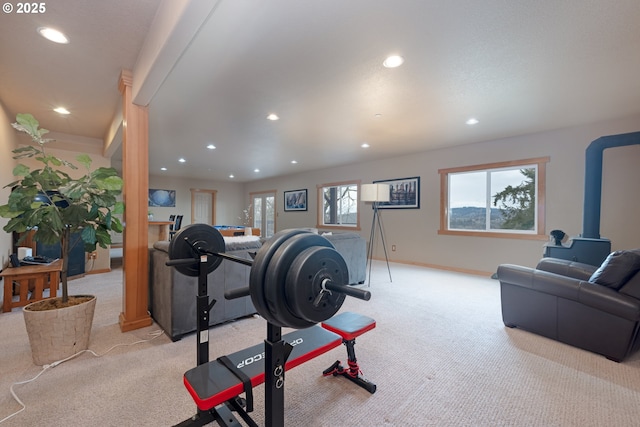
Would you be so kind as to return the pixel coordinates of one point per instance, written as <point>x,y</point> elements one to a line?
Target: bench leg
<point>353,372</point>
<point>221,414</point>
<point>202,418</point>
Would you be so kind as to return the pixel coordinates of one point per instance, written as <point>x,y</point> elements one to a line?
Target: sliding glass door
<point>264,212</point>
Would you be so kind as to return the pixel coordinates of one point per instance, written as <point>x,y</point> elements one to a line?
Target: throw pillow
<point>617,269</point>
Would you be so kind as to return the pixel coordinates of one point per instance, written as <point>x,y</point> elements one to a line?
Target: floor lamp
<point>375,193</point>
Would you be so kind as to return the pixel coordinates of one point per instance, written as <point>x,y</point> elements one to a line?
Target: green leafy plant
<point>54,205</point>
<point>517,204</point>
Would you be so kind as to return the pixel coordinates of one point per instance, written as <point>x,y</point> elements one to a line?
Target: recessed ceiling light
<point>256,170</point>
<point>53,35</point>
<point>365,145</point>
<point>393,61</point>
<point>472,121</point>
<point>231,176</point>
<point>294,162</point>
<point>181,160</point>
<point>163,168</point>
<point>211,147</point>
<point>273,117</point>
<point>62,110</point>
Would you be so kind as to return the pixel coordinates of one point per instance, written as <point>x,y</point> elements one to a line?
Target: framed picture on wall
<point>162,198</point>
<point>404,193</point>
<point>295,200</point>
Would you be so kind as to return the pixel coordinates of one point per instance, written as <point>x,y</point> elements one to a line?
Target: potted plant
<point>55,206</point>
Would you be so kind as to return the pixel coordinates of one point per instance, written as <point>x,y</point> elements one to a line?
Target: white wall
<point>230,198</point>
<point>415,231</point>
<point>8,141</point>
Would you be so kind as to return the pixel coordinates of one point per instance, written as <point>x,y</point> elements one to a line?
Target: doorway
<point>264,212</point>
<point>203,206</point>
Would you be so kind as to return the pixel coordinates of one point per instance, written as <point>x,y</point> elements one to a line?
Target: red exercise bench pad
<point>349,325</point>
<point>212,383</point>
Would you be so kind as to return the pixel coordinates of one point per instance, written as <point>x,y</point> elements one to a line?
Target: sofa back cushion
<point>617,269</point>
<point>632,287</point>
<point>231,243</point>
<point>568,268</point>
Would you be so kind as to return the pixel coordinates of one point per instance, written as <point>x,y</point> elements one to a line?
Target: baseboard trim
<point>130,325</point>
<point>102,270</point>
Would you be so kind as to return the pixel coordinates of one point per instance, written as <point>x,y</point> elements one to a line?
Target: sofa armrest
<point>539,280</point>
<point>576,270</point>
<point>609,301</point>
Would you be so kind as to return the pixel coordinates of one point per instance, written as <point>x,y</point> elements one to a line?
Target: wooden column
<point>135,171</point>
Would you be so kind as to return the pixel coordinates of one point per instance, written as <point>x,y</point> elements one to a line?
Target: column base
<point>132,324</point>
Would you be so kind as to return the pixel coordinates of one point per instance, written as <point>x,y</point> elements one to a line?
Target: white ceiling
<point>517,66</point>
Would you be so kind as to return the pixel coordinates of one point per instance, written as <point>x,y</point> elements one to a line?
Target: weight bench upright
<point>349,326</point>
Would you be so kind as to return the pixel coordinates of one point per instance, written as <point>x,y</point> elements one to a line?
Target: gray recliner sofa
<point>593,308</point>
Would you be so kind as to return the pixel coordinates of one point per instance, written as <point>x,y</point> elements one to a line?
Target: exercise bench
<point>216,386</point>
<point>297,280</point>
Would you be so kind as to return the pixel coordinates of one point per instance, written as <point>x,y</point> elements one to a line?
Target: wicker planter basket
<point>57,334</point>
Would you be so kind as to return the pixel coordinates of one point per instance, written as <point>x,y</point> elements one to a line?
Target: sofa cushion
<point>162,245</point>
<point>632,287</point>
<point>568,268</point>
<point>617,268</point>
<point>239,243</point>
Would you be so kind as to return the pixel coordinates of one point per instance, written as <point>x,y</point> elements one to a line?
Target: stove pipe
<point>593,179</point>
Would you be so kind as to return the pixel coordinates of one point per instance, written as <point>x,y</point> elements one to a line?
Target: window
<point>499,199</point>
<point>338,205</point>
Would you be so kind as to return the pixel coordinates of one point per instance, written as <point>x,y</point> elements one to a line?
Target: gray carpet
<point>440,356</point>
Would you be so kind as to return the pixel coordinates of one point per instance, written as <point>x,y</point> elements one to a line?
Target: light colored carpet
<point>440,356</point>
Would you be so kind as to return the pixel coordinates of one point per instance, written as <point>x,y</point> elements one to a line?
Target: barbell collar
<point>346,289</point>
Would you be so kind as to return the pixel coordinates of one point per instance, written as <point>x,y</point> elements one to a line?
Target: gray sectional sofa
<point>353,249</point>
<point>172,295</point>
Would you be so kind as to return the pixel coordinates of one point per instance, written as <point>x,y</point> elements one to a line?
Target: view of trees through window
<point>340,205</point>
<point>493,199</point>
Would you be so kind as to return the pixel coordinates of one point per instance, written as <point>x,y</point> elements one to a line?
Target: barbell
<point>297,277</point>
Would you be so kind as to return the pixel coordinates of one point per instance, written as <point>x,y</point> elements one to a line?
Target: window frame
<point>541,188</point>
<point>320,203</point>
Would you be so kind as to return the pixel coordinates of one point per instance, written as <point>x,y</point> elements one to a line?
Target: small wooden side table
<point>40,274</point>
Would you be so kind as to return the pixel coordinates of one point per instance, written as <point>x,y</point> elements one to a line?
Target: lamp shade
<point>374,192</point>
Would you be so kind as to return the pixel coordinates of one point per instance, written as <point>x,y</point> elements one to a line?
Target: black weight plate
<point>304,283</point>
<point>205,238</point>
<point>276,275</point>
<point>259,270</point>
